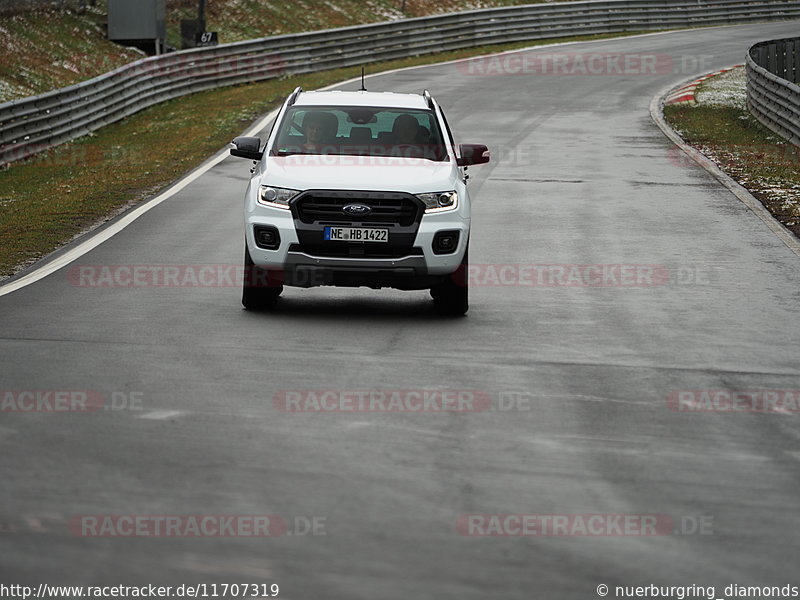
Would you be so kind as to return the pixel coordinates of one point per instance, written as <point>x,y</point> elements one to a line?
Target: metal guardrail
<point>773,94</point>
<point>32,124</point>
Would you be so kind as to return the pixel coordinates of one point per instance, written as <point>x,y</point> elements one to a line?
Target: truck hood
<point>368,173</point>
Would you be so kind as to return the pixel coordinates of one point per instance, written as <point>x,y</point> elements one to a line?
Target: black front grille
<point>389,209</point>
<point>397,212</point>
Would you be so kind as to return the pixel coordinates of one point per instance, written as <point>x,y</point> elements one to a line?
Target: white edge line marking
<point>750,201</point>
<point>122,222</point>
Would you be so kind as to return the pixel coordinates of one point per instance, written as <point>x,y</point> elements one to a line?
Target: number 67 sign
<point>206,38</point>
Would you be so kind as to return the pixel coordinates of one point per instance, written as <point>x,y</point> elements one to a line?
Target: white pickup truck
<point>358,189</point>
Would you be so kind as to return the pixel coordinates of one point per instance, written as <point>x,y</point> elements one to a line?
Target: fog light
<point>267,237</point>
<point>445,242</point>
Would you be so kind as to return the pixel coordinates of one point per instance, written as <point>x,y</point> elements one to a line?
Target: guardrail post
<point>780,63</point>
<point>795,61</point>
<point>761,53</point>
<point>772,58</point>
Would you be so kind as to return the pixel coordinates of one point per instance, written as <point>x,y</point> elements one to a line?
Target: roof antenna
<point>363,88</point>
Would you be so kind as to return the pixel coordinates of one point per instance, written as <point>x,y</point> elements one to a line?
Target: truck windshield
<point>360,131</point>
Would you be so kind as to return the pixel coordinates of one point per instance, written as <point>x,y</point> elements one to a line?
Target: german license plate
<point>356,234</point>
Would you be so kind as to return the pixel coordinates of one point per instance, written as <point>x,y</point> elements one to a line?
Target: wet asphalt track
<point>581,176</point>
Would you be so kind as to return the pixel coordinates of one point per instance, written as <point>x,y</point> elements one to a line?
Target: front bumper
<point>418,268</point>
<point>305,270</point>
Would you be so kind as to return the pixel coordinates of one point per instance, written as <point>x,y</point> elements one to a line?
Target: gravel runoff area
<point>725,89</point>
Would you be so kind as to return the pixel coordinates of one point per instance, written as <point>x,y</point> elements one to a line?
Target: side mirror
<point>247,147</point>
<point>473,154</point>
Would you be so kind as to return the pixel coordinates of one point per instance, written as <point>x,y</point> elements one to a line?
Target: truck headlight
<point>274,196</point>
<point>439,201</point>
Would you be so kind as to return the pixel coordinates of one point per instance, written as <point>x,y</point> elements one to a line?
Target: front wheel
<point>260,288</point>
<point>451,297</point>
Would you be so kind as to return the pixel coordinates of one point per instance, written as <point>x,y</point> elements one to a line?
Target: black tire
<point>451,297</point>
<point>260,288</point>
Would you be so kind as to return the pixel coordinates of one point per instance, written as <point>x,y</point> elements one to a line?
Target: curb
<point>656,113</point>
<point>685,93</point>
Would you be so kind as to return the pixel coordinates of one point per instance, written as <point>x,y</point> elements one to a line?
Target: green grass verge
<point>49,199</point>
<point>48,49</point>
<point>761,161</point>
<point>53,47</point>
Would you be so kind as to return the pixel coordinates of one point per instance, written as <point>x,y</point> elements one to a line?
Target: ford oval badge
<point>356,210</point>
